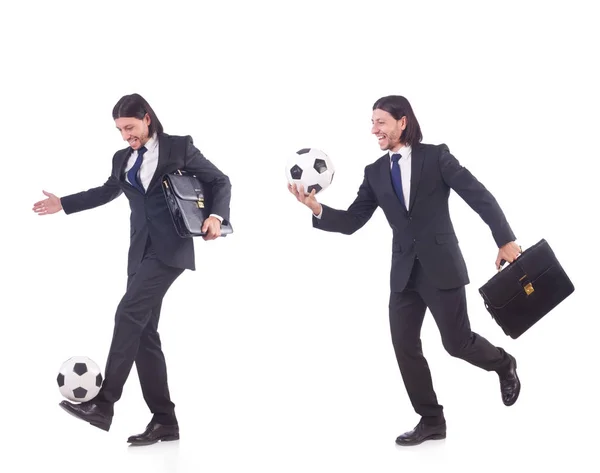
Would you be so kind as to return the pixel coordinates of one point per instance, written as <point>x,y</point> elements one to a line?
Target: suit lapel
<point>415,173</point>
<point>164,150</point>
<point>123,164</point>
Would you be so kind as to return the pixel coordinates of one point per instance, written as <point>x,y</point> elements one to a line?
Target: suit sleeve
<point>354,218</point>
<point>475,194</point>
<point>94,197</point>
<point>209,174</point>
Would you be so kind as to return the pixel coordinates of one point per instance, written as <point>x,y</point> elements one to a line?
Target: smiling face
<point>387,129</point>
<point>134,130</point>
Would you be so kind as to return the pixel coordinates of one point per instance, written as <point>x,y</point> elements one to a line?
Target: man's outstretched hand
<point>48,206</point>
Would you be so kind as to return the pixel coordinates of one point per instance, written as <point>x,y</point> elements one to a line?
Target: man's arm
<point>476,196</point>
<point>350,220</point>
<point>91,198</point>
<point>208,173</point>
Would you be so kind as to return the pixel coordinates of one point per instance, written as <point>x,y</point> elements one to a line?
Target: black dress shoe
<point>421,433</point>
<point>89,412</point>
<point>510,385</point>
<point>155,432</point>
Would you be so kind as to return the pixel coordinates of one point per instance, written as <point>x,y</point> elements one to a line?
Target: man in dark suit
<point>411,183</point>
<point>157,256</point>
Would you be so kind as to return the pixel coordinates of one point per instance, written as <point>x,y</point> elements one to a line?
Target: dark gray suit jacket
<point>425,229</point>
<point>149,212</point>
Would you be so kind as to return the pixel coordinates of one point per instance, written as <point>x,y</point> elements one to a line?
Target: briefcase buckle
<point>528,289</point>
<point>200,203</point>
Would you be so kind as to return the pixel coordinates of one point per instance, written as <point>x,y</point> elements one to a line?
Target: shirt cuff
<point>217,217</point>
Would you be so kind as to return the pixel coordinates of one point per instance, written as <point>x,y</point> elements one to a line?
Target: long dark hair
<point>398,107</point>
<point>135,106</point>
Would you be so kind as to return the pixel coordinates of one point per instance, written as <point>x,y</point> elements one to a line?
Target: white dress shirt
<point>149,165</point>
<point>405,172</point>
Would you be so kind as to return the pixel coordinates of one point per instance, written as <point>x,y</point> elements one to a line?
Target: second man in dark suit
<point>157,257</point>
<point>411,183</point>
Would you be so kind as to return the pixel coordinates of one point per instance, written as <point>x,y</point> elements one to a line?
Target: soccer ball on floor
<point>310,167</point>
<point>79,379</point>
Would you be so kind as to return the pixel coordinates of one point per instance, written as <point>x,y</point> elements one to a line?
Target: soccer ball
<point>79,379</point>
<point>310,167</point>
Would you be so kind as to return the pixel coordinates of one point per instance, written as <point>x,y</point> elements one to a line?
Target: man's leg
<point>152,372</point>
<point>449,309</point>
<point>407,311</point>
<point>144,293</point>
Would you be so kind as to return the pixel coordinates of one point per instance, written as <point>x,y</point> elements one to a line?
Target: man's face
<point>134,130</point>
<point>387,129</point>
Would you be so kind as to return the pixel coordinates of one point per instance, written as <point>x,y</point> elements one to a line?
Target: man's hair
<point>135,106</point>
<point>398,107</point>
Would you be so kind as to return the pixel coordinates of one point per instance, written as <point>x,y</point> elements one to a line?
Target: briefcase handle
<point>503,262</point>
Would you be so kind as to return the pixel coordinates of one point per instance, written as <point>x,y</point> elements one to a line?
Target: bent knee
<point>457,347</point>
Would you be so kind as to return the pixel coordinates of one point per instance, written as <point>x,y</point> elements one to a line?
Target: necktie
<point>132,174</point>
<point>396,179</point>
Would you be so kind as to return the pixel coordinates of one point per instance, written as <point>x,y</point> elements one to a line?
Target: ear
<point>147,119</point>
<point>403,123</point>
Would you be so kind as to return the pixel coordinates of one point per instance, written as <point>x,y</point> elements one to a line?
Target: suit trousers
<point>449,310</point>
<point>136,339</point>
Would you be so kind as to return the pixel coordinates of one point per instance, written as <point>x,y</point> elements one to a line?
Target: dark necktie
<point>132,174</point>
<point>396,179</point>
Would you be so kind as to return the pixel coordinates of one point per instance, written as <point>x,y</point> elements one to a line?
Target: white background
<point>278,347</point>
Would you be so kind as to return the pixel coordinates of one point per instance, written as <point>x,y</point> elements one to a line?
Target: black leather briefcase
<point>519,295</point>
<point>189,203</point>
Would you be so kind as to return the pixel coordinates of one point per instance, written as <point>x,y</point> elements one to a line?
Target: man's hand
<point>509,252</point>
<point>212,227</point>
<point>51,205</point>
<point>307,199</point>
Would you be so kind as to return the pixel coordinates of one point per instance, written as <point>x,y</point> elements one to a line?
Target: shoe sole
<point>100,425</point>
<point>166,438</point>
<point>431,437</point>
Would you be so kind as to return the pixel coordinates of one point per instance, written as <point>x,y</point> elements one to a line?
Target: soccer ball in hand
<point>310,167</point>
<point>79,379</point>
